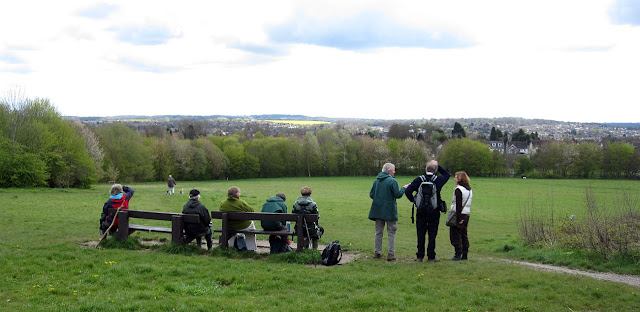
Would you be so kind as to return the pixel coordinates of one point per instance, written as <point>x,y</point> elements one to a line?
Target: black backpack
<point>332,254</point>
<point>427,196</point>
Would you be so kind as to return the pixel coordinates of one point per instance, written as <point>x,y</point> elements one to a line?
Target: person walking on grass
<point>203,228</point>
<point>384,209</point>
<point>171,182</point>
<point>428,218</point>
<point>461,203</point>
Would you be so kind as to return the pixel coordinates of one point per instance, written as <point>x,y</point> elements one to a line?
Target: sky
<point>562,60</point>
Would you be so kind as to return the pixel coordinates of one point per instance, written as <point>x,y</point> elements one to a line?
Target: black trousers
<point>458,235</point>
<point>208,234</point>
<point>427,223</point>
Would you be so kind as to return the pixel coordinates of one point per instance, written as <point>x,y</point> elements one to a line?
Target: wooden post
<point>123,225</point>
<point>177,227</point>
<point>300,232</point>
<point>224,237</point>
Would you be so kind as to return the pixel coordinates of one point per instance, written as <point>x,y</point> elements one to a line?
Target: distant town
<point>476,128</point>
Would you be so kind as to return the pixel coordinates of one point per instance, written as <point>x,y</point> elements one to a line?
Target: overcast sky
<point>559,59</point>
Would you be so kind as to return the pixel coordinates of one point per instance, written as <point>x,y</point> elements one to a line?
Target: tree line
<point>41,148</point>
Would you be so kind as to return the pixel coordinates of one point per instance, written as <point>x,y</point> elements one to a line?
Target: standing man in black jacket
<point>428,221</point>
<point>197,230</point>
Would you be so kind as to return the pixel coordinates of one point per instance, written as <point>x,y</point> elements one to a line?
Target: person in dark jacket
<point>305,205</point>
<point>171,182</point>
<point>120,196</point>
<point>197,230</point>
<point>428,221</point>
<point>278,243</point>
<point>384,209</point>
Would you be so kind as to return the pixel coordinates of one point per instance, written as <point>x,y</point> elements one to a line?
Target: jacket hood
<point>304,201</point>
<point>275,199</point>
<point>192,203</point>
<point>383,175</point>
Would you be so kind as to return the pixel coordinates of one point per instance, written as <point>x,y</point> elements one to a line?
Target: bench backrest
<point>154,215</point>
<point>263,216</point>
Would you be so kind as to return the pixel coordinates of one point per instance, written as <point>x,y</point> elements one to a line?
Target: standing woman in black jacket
<point>461,202</point>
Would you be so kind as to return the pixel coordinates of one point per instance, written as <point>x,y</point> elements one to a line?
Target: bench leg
<point>224,236</point>
<point>300,234</point>
<point>123,225</point>
<point>177,227</point>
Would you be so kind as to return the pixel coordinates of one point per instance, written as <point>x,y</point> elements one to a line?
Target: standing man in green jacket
<point>384,209</point>
<point>203,228</point>
<point>234,203</point>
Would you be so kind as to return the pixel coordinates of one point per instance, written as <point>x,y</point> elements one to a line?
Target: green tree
<point>617,159</point>
<point>19,168</point>
<point>399,131</point>
<point>458,131</point>
<point>465,155</point>
<point>40,130</point>
<point>587,159</point>
<point>524,165</point>
<point>125,152</point>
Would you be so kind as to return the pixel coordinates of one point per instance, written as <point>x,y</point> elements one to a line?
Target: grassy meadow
<point>45,265</point>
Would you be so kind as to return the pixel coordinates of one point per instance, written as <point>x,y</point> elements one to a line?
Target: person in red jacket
<point>120,196</point>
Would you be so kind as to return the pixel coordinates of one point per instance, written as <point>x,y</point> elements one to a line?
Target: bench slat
<point>155,215</point>
<point>263,216</point>
<point>256,231</point>
<point>136,227</point>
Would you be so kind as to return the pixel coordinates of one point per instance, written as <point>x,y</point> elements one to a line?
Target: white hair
<point>387,167</point>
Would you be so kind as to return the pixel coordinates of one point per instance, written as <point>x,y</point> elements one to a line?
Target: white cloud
<point>372,59</point>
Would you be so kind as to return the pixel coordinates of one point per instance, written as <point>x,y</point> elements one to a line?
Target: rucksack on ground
<point>332,254</point>
<point>427,196</point>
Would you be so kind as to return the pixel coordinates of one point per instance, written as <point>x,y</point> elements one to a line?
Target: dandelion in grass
<point>95,275</point>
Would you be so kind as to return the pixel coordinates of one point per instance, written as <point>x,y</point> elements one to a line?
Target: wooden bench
<point>177,223</point>
<point>226,216</point>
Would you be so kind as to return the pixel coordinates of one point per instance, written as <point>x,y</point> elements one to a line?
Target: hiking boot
<point>418,259</point>
<point>433,260</point>
<point>464,256</point>
<point>391,257</point>
<point>456,258</point>
<point>377,256</point>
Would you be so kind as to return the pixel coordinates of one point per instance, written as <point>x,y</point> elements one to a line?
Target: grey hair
<point>432,166</point>
<point>387,167</point>
<point>233,191</point>
<point>116,189</point>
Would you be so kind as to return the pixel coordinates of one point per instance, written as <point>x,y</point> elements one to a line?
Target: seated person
<point>234,203</point>
<point>120,196</point>
<point>197,230</point>
<point>278,243</point>
<point>305,205</point>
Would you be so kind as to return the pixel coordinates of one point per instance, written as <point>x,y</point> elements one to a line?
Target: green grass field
<point>44,265</point>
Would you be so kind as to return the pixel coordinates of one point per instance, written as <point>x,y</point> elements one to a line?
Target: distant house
<point>496,146</point>
<point>513,147</point>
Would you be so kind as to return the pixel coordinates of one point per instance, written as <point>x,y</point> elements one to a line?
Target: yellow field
<point>300,122</point>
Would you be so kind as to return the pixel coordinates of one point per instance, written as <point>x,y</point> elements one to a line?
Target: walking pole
<point>107,231</point>
<point>313,258</point>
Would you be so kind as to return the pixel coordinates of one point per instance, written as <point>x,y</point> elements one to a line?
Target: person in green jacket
<point>384,209</point>
<point>305,204</point>
<point>234,203</point>
<point>278,243</point>
<point>203,228</point>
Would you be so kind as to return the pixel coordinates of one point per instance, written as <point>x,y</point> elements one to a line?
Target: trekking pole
<point>313,258</point>
<point>107,231</point>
